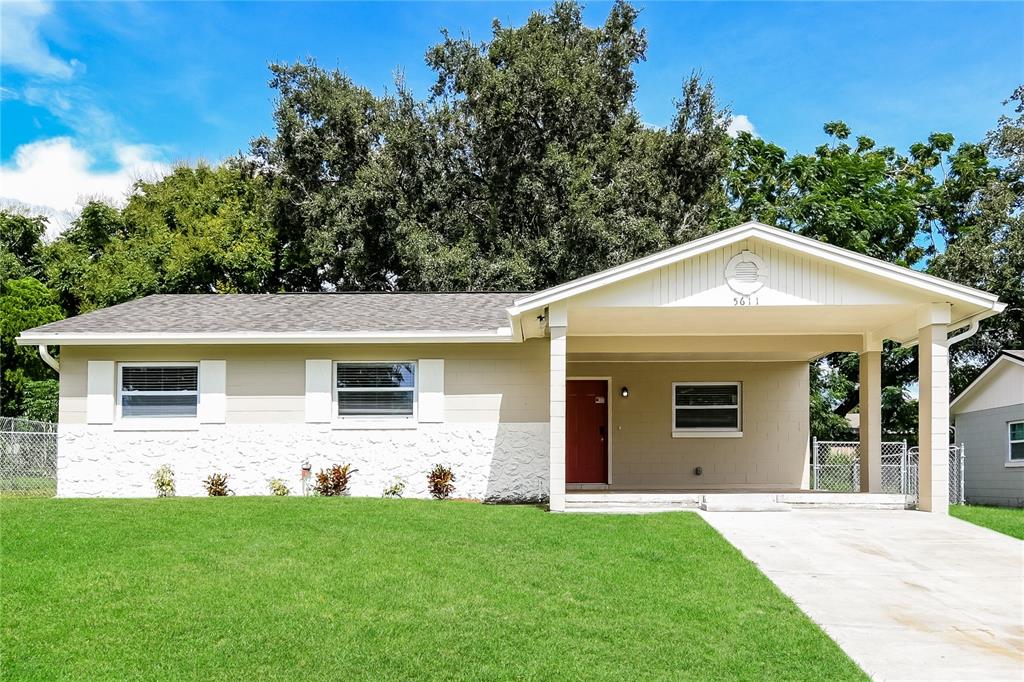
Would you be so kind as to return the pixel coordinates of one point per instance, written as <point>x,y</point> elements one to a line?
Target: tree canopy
<point>526,165</point>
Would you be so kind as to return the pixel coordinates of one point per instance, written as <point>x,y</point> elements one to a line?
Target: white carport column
<point>871,420</point>
<point>933,409</point>
<point>557,323</point>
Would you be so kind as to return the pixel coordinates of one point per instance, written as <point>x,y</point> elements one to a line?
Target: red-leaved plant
<point>441,482</point>
<point>333,482</point>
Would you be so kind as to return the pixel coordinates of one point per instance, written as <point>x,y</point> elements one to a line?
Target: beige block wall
<point>772,453</point>
<point>484,383</point>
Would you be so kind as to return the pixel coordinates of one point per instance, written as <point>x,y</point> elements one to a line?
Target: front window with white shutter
<point>376,389</point>
<point>158,391</point>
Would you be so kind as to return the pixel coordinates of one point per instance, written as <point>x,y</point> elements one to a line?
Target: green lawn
<point>287,588</point>
<point>1002,519</point>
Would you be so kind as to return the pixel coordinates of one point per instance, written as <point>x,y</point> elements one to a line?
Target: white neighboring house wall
<point>262,412</point>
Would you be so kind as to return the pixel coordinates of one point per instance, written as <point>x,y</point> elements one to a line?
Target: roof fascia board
<point>503,335</point>
<point>773,235</point>
<point>984,374</point>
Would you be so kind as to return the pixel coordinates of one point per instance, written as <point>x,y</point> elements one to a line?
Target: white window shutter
<point>212,389</point>
<point>99,403</point>
<point>431,390</point>
<point>318,391</point>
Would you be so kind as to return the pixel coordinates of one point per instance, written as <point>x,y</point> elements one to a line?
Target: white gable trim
<point>978,380</point>
<point>773,235</point>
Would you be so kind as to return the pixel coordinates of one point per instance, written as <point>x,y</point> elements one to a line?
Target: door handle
<point>600,430</point>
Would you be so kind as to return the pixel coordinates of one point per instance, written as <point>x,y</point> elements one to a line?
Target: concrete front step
<point>742,503</point>
<point>630,509</point>
<point>642,503</point>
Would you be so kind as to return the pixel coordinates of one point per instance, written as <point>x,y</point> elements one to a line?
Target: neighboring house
<point>989,419</point>
<point>684,370</point>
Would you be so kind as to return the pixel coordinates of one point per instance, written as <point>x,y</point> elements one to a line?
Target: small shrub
<point>441,482</point>
<point>396,488</point>
<point>217,485</point>
<point>278,488</point>
<point>163,480</point>
<point>333,482</point>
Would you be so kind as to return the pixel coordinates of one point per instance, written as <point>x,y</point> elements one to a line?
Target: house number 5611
<point>744,300</point>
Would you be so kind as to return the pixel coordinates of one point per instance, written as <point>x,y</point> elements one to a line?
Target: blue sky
<point>95,94</point>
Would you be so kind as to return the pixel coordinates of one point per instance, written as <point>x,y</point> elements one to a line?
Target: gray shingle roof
<point>283,313</point>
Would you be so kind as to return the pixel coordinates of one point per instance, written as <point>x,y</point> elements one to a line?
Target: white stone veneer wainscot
<point>495,462</point>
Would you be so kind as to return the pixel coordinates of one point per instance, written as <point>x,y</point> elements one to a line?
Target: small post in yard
<point>814,461</point>
<point>903,468</point>
<point>963,471</point>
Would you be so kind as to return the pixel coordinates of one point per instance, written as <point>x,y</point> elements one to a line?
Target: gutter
<point>973,324</point>
<point>44,354</point>
<point>500,335</point>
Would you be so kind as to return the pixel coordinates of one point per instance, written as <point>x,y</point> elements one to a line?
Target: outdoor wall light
<point>624,391</point>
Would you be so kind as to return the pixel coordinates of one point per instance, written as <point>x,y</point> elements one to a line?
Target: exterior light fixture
<point>624,391</point>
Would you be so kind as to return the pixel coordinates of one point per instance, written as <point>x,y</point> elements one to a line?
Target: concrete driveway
<point>908,595</point>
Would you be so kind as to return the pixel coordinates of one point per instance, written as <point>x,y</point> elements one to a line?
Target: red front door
<point>586,431</point>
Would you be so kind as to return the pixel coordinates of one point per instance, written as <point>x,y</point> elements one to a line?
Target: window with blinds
<point>706,407</point>
<point>376,389</point>
<point>159,391</point>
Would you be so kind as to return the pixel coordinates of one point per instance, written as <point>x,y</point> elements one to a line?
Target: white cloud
<point>56,178</point>
<point>740,124</point>
<point>22,47</point>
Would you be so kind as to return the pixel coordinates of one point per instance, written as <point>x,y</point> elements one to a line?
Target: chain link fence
<point>835,467</point>
<point>28,458</point>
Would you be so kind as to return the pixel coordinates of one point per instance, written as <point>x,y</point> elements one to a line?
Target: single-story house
<point>989,421</point>
<point>685,370</point>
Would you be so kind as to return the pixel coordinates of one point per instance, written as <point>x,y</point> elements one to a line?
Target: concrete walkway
<point>908,595</point>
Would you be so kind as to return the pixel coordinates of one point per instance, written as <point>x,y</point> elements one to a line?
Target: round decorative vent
<point>746,273</point>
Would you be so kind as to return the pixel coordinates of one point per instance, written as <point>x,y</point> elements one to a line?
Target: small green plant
<point>278,488</point>
<point>217,485</point>
<point>441,482</point>
<point>334,482</point>
<point>396,488</point>
<point>163,479</point>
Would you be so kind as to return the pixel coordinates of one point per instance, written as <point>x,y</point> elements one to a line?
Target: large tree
<point>198,230</point>
<point>978,213</point>
<point>528,166</point>
<point>869,199</point>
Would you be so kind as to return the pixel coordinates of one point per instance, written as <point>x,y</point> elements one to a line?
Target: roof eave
<point>28,338</point>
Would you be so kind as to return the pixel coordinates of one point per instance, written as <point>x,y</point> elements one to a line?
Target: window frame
<point>1010,461</point>
<point>371,421</point>
<point>708,431</point>
<point>154,423</point>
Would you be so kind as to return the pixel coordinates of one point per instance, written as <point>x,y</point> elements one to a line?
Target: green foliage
<point>198,230</point>
<point>163,481</point>
<point>528,166</point>
<point>20,245</point>
<point>395,489</point>
<point>217,485</point>
<point>981,216</point>
<point>24,303</point>
<point>334,482</point>
<point>40,400</point>
<point>278,488</point>
<point>441,482</point>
